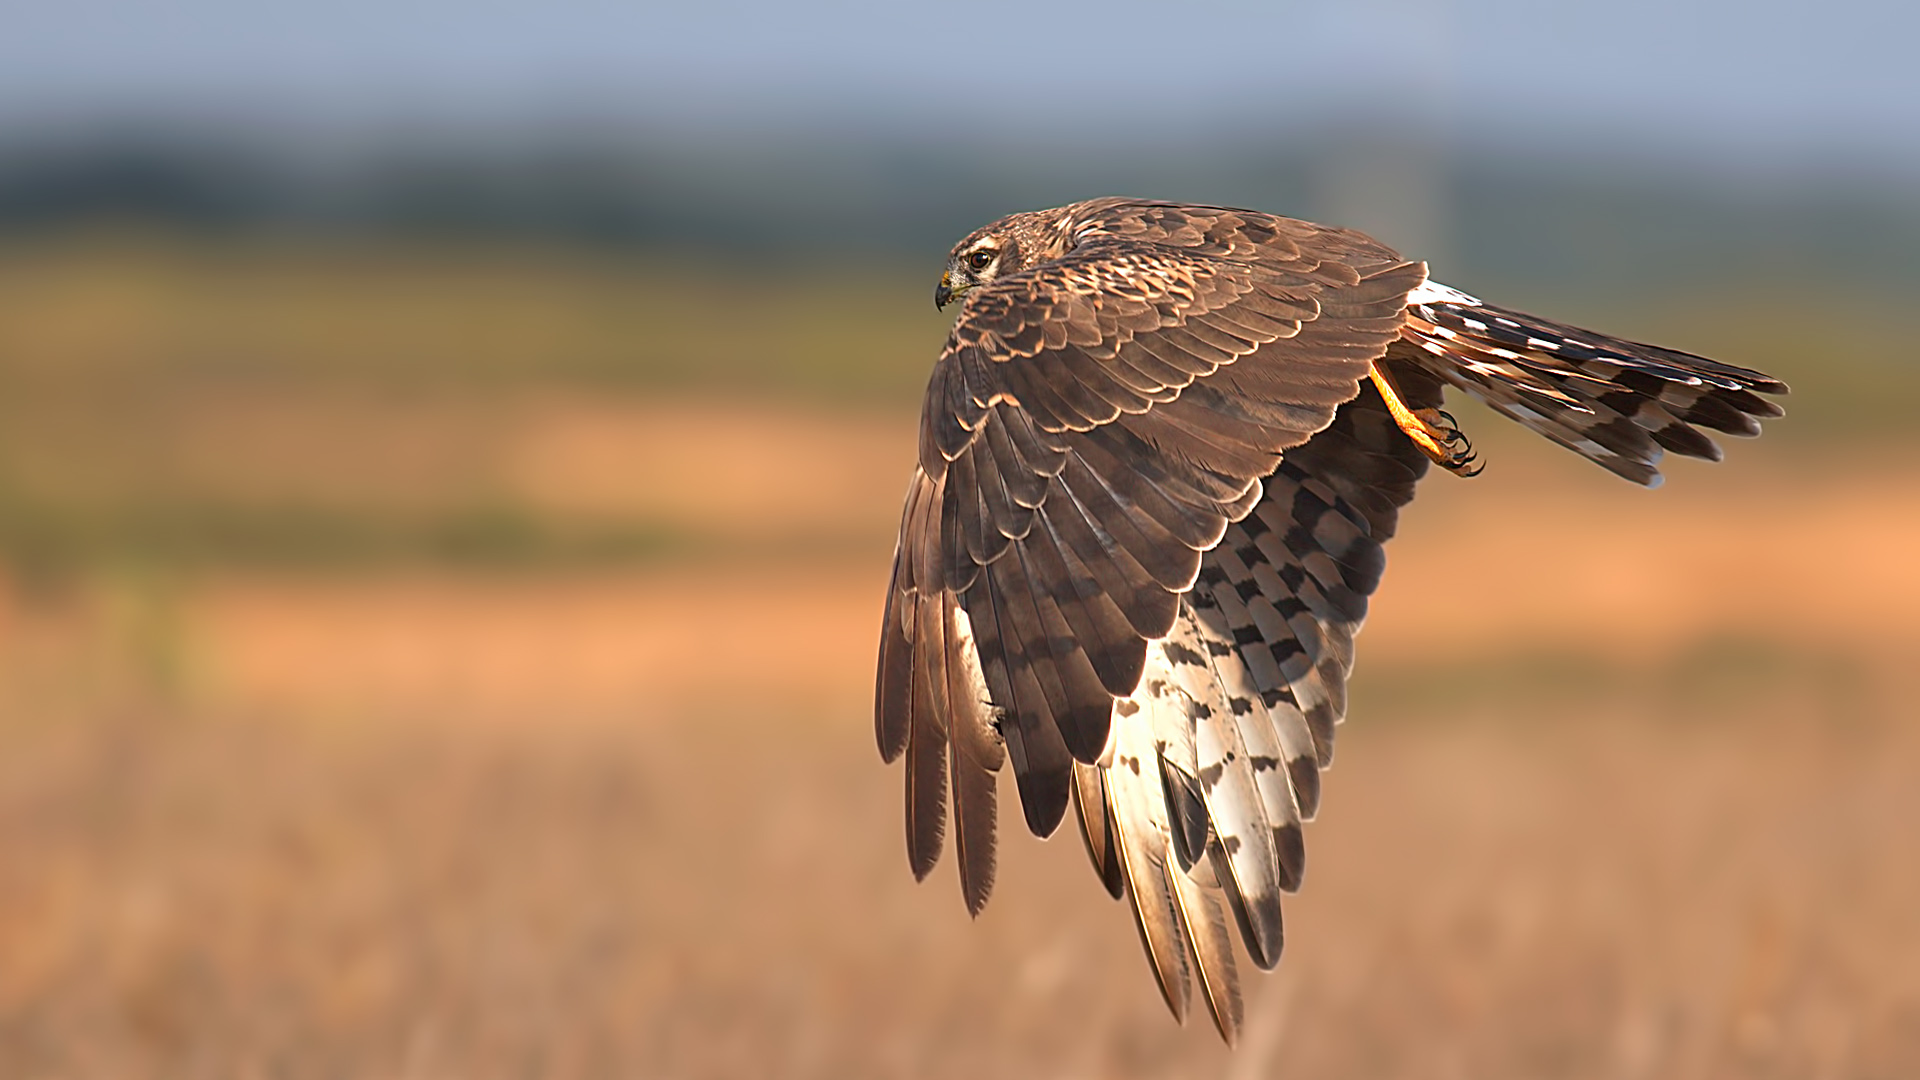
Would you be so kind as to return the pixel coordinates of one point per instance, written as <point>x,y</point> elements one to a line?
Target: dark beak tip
<point>941,294</point>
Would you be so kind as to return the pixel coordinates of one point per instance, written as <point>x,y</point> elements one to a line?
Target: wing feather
<point>1205,929</point>
<point>927,727</point>
<point>1097,826</point>
<point>1138,810</point>
<point>1238,815</point>
<point>975,757</point>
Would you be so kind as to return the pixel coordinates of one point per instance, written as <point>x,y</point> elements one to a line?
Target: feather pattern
<point>1620,404</point>
<point>1176,903</point>
<point>1154,482</point>
<point>1136,802</point>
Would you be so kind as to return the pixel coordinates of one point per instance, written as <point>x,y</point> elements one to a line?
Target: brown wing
<point>1092,428</point>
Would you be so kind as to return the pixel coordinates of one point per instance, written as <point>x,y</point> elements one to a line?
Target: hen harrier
<point>1158,459</point>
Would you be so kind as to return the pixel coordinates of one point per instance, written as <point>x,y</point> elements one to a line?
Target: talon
<point>1455,450</point>
<point>1432,430</point>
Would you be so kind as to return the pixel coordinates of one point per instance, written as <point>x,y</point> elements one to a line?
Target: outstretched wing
<point>1218,752</point>
<point>1093,427</point>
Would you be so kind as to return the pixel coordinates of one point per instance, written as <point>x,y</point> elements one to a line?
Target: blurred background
<point>449,460</point>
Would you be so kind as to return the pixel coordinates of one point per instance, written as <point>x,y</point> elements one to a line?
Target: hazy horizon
<point>1769,87</point>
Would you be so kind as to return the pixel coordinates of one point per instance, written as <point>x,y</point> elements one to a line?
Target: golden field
<point>456,664</point>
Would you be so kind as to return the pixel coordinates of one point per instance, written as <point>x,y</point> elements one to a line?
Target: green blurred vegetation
<point>182,401</point>
<point>134,318</point>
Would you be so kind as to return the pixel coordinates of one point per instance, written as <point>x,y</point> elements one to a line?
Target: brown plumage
<point>1158,460</point>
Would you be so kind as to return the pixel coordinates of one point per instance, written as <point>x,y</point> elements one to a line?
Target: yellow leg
<point>1430,429</point>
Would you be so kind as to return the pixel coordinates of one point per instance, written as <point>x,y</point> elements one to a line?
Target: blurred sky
<point>1782,84</point>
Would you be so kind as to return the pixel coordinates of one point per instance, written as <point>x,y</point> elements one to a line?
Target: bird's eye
<point>980,260</point>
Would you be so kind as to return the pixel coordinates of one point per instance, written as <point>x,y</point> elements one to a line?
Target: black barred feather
<point>1156,474</point>
<point>1265,754</point>
<point>1620,404</point>
<point>1176,898</point>
<point>1245,858</point>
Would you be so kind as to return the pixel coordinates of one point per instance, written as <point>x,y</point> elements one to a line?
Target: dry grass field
<point>1631,786</point>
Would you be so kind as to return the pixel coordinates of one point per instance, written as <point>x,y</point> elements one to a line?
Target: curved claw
<point>1444,442</point>
<point>1458,448</point>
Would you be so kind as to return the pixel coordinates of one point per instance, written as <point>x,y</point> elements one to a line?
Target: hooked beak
<point>943,292</point>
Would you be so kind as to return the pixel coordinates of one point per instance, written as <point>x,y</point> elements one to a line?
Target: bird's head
<point>1002,249</point>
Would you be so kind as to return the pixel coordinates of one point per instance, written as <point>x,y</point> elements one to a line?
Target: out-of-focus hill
<point>1501,212</point>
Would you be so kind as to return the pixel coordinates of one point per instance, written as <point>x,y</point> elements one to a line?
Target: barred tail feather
<point>1620,404</point>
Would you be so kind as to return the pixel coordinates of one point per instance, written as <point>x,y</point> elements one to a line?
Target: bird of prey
<point>1158,458</point>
